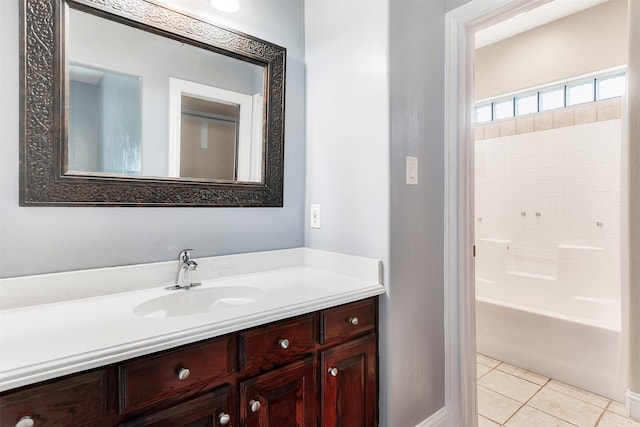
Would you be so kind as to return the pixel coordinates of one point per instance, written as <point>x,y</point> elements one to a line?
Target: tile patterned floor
<point>509,396</point>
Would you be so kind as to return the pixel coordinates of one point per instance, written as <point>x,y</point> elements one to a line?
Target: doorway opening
<point>547,159</point>
<point>462,219</point>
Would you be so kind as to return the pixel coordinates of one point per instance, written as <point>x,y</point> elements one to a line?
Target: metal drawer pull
<point>183,374</point>
<point>333,372</point>
<point>254,405</point>
<point>25,422</point>
<point>224,418</point>
<point>284,343</point>
<point>353,320</point>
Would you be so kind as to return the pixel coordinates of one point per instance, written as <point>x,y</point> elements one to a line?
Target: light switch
<point>412,170</point>
<point>315,216</point>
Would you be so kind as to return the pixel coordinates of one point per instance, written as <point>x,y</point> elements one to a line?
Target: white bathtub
<point>534,323</point>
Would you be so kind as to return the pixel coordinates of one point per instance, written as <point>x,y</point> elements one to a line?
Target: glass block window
<point>580,92</point>
<point>483,113</point>
<point>560,96</point>
<point>610,86</point>
<point>526,104</point>
<point>551,99</point>
<point>503,109</point>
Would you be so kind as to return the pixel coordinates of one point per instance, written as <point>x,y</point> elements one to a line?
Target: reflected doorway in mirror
<point>214,133</point>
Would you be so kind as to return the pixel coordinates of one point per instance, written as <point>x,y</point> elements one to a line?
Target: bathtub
<point>534,322</point>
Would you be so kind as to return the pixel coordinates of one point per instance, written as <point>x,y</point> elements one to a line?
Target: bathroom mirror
<point>128,103</point>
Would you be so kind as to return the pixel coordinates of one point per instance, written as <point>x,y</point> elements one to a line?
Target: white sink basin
<point>197,301</point>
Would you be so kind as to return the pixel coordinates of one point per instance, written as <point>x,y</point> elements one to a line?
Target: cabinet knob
<point>25,422</point>
<point>284,343</point>
<point>224,418</point>
<point>333,372</point>
<point>254,405</point>
<point>183,374</point>
<point>353,320</point>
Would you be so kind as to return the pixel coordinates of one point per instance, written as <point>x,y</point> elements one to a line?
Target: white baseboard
<point>633,404</point>
<point>439,419</point>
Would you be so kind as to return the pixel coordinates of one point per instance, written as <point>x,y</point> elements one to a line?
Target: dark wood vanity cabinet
<point>212,409</point>
<point>284,397</point>
<point>318,369</point>
<point>348,387</point>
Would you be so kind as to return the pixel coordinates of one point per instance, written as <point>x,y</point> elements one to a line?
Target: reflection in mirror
<point>234,147</point>
<point>126,112</point>
<point>208,139</point>
<point>105,124</point>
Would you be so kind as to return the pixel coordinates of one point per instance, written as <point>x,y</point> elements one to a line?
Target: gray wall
<point>375,77</point>
<point>38,240</point>
<point>417,211</point>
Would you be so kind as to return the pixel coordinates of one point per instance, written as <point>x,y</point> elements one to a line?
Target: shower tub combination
<point>565,331</point>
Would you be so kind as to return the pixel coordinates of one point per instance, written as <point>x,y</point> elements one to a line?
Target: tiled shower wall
<point>548,197</point>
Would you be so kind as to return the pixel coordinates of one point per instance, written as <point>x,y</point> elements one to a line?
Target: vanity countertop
<point>51,339</point>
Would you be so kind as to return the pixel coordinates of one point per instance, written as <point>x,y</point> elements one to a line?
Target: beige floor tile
<point>609,419</point>
<point>566,408</point>
<point>531,417</point>
<point>481,370</point>
<point>487,361</point>
<point>578,393</point>
<point>618,408</point>
<point>485,422</point>
<point>508,385</point>
<point>494,406</point>
<point>523,373</point>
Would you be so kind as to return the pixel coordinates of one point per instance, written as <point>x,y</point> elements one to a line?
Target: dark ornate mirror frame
<point>43,120</point>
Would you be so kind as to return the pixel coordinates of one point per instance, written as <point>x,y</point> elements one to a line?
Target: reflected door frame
<point>249,150</point>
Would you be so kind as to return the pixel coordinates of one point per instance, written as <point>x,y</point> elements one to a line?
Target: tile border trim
<point>609,109</point>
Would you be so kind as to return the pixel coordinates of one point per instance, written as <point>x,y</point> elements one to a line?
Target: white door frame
<point>460,340</point>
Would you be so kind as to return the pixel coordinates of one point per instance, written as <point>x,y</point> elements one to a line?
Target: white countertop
<point>48,340</point>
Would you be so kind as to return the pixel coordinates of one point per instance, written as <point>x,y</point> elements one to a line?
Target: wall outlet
<point>412,170</point>
<point>315,216</point>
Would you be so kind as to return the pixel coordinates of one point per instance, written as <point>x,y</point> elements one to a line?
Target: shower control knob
<point>25,422</point>
<point>183,374</point>
<point>284,343</point>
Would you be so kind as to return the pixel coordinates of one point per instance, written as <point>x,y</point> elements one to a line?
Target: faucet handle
<point>185,255</point>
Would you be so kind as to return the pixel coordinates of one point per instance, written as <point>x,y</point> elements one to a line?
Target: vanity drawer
<point>347,320</point>
<point>79,400</point>
<point>214,409</point>
<point>263,347</point>
<point>178,373</point>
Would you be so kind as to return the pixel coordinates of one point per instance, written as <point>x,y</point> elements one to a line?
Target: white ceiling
<point>544,14</point>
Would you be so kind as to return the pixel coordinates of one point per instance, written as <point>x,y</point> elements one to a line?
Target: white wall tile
<point>572,176</point>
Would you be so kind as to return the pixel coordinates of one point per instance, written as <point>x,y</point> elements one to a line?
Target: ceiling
<point>541,15</point>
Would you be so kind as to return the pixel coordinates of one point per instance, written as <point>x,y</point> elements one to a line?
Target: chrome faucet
<point>185,270</point>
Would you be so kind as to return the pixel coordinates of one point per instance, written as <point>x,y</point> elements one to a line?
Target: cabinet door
<point>214,409</point>
<point>284,397</point>
<point>349,393</point>
<point>79,400</point>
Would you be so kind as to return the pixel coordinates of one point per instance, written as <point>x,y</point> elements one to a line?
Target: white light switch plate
<point>412,170</point>
<point>315,216</point>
